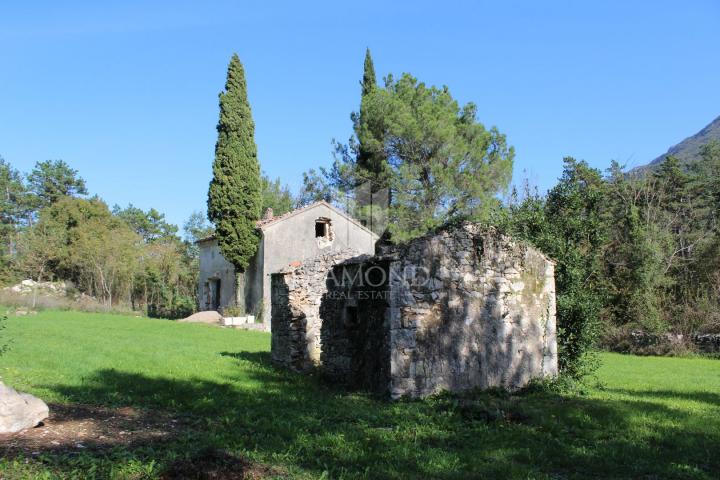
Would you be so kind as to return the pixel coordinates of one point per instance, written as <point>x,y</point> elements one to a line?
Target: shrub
<point>3,344</point>
<point>179,306</point>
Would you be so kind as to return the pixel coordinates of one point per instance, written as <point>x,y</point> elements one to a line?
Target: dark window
<point>322,226</point>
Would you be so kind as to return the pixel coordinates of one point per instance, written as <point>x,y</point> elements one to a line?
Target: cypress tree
<point>366,161</point>
<point>371,172</point>
<point>234,197</point>
<point>369,82</point>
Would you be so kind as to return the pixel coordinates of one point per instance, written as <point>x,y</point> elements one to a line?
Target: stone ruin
<point>463,308</point>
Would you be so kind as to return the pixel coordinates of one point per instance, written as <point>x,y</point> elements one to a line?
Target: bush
<point>177,307</point>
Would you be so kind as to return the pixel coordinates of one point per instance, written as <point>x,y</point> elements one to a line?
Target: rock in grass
<point>19,411</point>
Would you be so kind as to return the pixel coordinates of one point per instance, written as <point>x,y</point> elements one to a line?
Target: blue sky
<point>127,93</point>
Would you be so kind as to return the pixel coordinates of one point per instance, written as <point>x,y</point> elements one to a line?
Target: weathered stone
<point>295,302</point>
<point>19,411</point>
<point>484,318</point>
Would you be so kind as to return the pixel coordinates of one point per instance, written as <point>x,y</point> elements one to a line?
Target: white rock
<point>19,411</point>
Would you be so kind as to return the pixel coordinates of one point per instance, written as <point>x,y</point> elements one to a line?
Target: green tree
<point>576,236</point>
<point>371,162</point>
<point>197,227</point>
<point>635,253</point>
<point>276,196</point>
<point>40,250</point>
<point>705,187</point>
<point>150,225</point>
<point>234,197</point>
<point>53,179</point>
<point>13,212</point>
<point>316,187</point>
<point>80,240</point>
<point>569,226</point>
<point>444,164</point>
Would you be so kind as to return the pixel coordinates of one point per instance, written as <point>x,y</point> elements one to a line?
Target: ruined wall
<point>295,303</point>
<point>354,333</point>
<point>463,308</point>
<point>459,309</point>
<point>470,308</point>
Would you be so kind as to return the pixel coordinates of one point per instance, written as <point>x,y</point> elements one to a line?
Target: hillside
<point>688,150</point>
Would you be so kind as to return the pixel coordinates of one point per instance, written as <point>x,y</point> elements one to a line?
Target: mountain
<point>688,151</point>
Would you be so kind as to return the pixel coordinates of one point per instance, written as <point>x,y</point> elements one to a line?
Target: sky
<point>127,92</point>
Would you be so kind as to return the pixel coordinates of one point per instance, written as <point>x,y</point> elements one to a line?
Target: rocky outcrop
<point>28,286</point>
<point>19,411</point>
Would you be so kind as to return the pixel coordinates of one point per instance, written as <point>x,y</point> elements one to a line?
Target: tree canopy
<point>53,179</point>
<point>443,164</point>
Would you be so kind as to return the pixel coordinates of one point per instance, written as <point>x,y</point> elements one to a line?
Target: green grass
<point>650,418</point>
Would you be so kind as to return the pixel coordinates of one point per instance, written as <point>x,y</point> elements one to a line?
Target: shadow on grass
<point>307,426</point>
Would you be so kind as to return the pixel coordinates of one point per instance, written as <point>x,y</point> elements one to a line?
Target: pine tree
<point>234,198</point>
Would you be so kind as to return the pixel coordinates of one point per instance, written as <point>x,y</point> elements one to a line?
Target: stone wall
<point>296,293</point>
<point>355,335</point>
<point>464,308</point>
<point>459,309</point>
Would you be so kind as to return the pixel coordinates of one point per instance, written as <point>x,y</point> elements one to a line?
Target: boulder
<point>19,411</point>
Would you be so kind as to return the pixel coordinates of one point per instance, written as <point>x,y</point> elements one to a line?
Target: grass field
<point>648,418</point>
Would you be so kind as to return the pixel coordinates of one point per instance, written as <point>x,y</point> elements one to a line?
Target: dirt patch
<point>210,317</point>
<point>219,465</point>
<point>76,428</point>
<point>80,427</point>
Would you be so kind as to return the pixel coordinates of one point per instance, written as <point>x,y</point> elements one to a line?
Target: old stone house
<point>289,239</point>
<point>463,308</point>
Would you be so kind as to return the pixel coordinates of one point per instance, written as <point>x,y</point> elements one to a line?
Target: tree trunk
<point>239,291</point>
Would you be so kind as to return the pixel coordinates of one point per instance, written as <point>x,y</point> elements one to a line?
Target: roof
<point>263,224</point>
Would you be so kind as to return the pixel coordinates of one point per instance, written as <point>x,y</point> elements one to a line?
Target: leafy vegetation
<point>568,226</point>
<point>650,418</point>
<point>235,196</point>
<point>634,251</point>
<point>438,163</point>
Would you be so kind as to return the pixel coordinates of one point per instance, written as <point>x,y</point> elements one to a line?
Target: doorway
<point>214,285</point>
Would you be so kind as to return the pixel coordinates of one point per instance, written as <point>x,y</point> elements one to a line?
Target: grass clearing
<point>651,418</point>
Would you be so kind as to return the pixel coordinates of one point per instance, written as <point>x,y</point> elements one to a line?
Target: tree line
<point>124,257</point>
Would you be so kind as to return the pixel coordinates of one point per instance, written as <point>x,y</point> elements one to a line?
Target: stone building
<point>463,308</point>
<point>287,239</point>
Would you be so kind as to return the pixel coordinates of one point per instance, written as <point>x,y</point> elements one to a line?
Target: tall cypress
<point>234,197</point>
<point>366,161</point>
<point>371,171</point>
